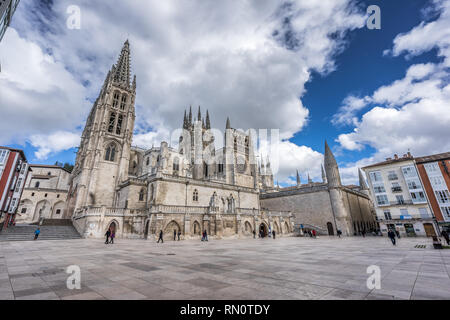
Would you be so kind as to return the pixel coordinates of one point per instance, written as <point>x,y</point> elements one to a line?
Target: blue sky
<point>235,64</point>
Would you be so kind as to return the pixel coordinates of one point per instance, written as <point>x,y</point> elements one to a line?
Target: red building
<point>13,174</point>
<point>435,173</point>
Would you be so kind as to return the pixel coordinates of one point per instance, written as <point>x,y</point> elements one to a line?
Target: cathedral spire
<point>185,120</point>
<point>208,123</point>
<point>298,179</point>
<point>309,179</point>
<point>228,125</point>
<point>362,182</point>
<point>190,115</point>
<point>199,115</point>
<point>331,168</point>
<point>121,70</point>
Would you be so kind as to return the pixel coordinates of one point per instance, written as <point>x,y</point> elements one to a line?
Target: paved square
<point>285,268</point>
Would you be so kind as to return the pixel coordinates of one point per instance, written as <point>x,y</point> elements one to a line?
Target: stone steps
<point>26,233</point>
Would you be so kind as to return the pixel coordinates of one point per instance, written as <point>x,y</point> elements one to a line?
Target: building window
<point>24,210</point>
<point>45,195</point>
<point>176,164</point>
<point>409,172</point>
<point>19,182</point>
<point>442,196</point>
<point>404,212</point>
<point>148,160</point>
<point>116,99</point>
<point>110,152</point>
<point>392,175</point>
<point>379,189</point>
<point>151,192</point>
<point>119,124</point>
<point>32,194</point>
<point>446,211</point>
<point>141,195</point>
<point>112,121</point>
<point>58,211</point>
<point>387,215</point>
<point>49,173</point>
<point>57,196</point>
<point>424,213</point>
<point>3,155</point>
<point>195,195</point>
<point>36,185</point>
<point>400,199</point>
<point>375,176</point>
<point>220,167</point>
<point>123,102</point>
<point>431,167</point>
<point>382,200</point>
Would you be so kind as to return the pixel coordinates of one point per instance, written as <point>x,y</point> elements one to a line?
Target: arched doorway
<point>196,228</point>
<point>171,228</point>
<point>276,228</point>
<point>263,230</point>
<point>113,227</point>
<point>330,229</point>
<point>42,210</point>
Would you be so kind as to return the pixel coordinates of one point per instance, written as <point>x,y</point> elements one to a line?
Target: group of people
<point>110,235</point>
<point>178,235</point>
<point>262,234</point>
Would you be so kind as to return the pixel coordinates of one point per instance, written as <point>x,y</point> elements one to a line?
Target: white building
<point>399,196</point>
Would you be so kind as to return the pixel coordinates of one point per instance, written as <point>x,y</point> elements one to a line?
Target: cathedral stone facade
<point>139,192</point>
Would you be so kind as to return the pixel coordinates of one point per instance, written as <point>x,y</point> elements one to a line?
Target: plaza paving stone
<point>285,268</point>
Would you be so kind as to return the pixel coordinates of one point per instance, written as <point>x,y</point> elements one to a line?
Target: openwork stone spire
<point>208,123</point>
<point>121,70</point>
<point>362,182</point>
<point>331,168</point>
<point>228,125</point>
<point>298,179</point>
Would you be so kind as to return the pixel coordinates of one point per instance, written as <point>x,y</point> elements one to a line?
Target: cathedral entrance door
<point>263,230</point>
<point>330,229</point>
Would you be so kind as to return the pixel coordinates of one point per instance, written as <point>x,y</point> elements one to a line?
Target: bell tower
<point>103,156</point>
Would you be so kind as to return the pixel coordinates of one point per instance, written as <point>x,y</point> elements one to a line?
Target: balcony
<point>400,202</point>
<point>396,189</point>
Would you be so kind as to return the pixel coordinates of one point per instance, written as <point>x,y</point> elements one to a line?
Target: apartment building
<point>13,174</point>
<point>400,198</point>
<point>434,171</point>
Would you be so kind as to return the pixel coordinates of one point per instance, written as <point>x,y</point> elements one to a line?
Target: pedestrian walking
<point>446,237</point>
<point>397,233</point>
<point>174,234</point>
<point>363,233</point>
<point>205,236</point>
<point>339,232</point>
<point>391,235</point>
<point>113,235</point>
<point>273,234</point>
<point>314,233</point>
<point>254,234</point>
<point>179,234</point>
<point>160,237</point>
<point>36,233</point>
<point>107,234</point>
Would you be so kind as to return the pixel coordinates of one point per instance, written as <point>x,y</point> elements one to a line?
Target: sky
<point>312,70</point>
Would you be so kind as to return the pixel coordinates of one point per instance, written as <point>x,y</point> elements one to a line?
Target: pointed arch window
<point>141,195</point>
<point>123,102</point>
<point>112,121</point>
<point>195,195</point>
<point>148,160</point>
<point>110,152</point>
<point>176,164</point>
<point>119,124</point>
<point>116,99</point>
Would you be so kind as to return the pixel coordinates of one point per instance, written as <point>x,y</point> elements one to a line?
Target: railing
<point>396,189</point>
<point>400,202</point>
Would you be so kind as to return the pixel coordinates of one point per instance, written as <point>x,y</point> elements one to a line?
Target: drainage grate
<point>420,246</point>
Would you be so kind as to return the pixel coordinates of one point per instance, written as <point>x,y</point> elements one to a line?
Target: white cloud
<point>246,60</point>
<point>411,113</point>
<point>53,143</point>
